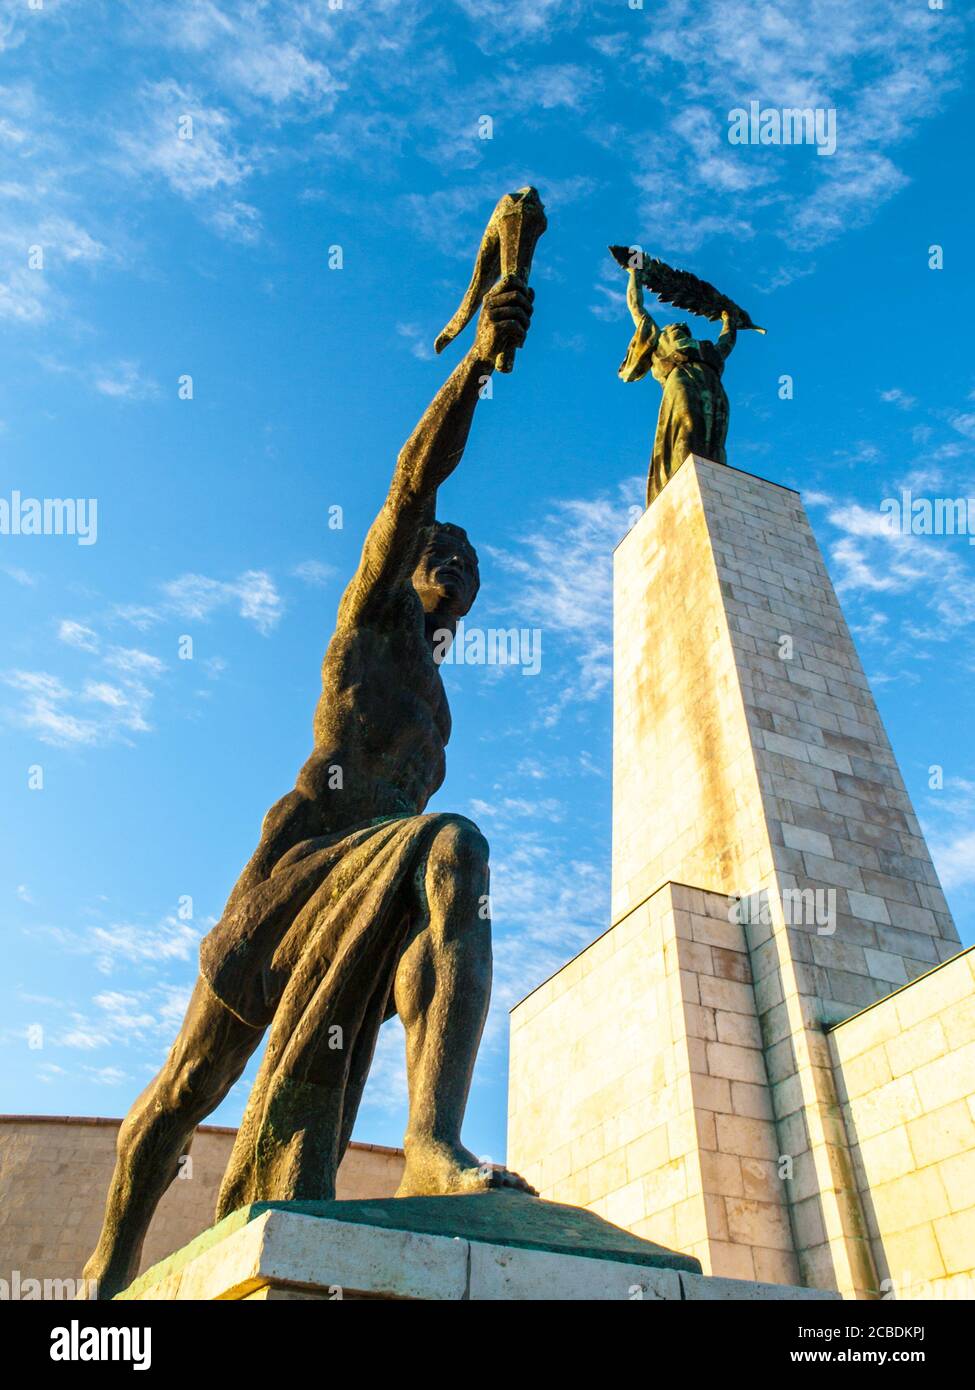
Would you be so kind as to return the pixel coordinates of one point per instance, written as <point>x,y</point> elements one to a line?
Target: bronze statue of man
<point>355,904</point>
<point>693,416</point>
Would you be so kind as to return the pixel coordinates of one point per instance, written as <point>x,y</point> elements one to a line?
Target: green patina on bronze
<point>491,1218</point>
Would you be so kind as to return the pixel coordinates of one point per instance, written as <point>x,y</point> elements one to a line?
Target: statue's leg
<point>441,990</point>
<point>206,1059</point>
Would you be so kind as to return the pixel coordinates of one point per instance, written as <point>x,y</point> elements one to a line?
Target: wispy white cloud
<point>20,576</point>
<point>949,823</point>
<point>82,1038</point>
<point>506,809</point>
<point>188,144</point>
<point>104,694</point>
<point>171,939</point>
<point>134,661</point>
<point>419,340</point>
<point>124,381</point>
<point>511,23</point>
<point>121,381</point>
<point>238,221</point>
<point>386,1090</point>
<point>131,1019</point>
<point>42,243</point>
<point>96,710</point>
<point>872,558</point>
<point>281,73</point>
<point>362,82</point>
<point>314,573</point>
<point>562,582</point>
<point>106,1076</point>
<point>123,945</point>
<point>40,250</point>
<point>99,710</point>
<point>547,87</point>
<point>113,699</point>
<point>254,594</point>
<point>546,904</point>
<point>48,1073</point>
<point>63,238</point>
<point>77,635</point>
<point>140,616</point>
<point>904,590</point>
<point>42,709</point>
<point>884,68</point>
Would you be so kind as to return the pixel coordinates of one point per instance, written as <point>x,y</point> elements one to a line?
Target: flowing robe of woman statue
<point>693,415</point>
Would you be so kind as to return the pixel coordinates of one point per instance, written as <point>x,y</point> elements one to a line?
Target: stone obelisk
<point>769,880</point>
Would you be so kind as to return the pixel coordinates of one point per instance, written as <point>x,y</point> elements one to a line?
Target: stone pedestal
<point>769,880</point>
<point>487,1247</point>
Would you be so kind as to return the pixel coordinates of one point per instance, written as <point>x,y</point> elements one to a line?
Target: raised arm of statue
<point>634,302</point>
<point>639,355</point>
<point>431,454</point>
<point>728,335</point>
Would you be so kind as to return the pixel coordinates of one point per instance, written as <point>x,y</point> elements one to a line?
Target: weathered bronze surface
<point>355,904</point>
<point>693,417</point>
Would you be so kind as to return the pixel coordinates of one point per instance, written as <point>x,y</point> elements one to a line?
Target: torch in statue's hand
<point>504,320</point>
<point>503,261</point>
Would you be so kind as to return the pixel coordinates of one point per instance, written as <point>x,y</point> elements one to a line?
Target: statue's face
<point>676,337</point>
<point>446,577</point>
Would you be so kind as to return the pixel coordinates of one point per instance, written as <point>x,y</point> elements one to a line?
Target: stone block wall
<point>54,1176</point>
<point>836,811</point>
<point>749,761</point>
<point>905,1073</point>
<point>639,1089</point>
<point>687,806</point>
<point>599,1102</point>
<point>747,1227</point>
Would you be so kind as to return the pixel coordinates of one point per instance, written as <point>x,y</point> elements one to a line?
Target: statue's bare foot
<point>91,1288</point>
<point>445,1170</point>
<point>101,1279</point>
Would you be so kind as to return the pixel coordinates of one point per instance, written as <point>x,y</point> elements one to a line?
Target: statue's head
<point>446,576</point>
<point>674,339</point>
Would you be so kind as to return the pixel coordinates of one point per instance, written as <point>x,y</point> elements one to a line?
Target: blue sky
<point>359,127</point>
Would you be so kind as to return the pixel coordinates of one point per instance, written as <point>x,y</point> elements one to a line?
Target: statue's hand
<point>504,320</point>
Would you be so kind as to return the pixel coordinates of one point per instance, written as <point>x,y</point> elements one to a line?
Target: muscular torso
<point>382,721</point>
<point>382,717</point>
<point>381,728</point>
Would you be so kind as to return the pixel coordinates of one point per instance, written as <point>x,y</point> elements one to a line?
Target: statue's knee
<point>460,851</point>
<point>183,1086</point>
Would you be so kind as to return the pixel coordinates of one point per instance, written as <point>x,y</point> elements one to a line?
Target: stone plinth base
<point>492,1246</point>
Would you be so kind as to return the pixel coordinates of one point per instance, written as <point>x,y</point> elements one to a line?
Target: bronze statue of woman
<point>693,415</point>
